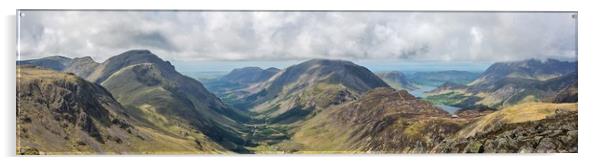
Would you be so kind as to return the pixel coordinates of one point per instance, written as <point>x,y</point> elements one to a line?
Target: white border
<point>589,83</point>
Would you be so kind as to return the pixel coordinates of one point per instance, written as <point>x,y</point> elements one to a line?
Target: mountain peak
<point>83,59</point>
<point>321,61</point>
<point>128,58</point>
<point>138,51</point>
<point>331,71</point>
<point>272,69</point>
<point>136,54</point>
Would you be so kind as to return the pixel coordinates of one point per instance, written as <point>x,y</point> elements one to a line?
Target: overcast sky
<point>282,36</point>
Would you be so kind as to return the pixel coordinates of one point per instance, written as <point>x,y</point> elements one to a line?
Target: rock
<point>474,147</point>
<point>556,133</point>
<point>572,133</point>
<point>525,149</point>
<point>546,146</point>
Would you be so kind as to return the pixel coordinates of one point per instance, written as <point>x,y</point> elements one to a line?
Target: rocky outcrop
<point>554,134</point>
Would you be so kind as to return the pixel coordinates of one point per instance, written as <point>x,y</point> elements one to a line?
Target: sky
<point>237,38</point>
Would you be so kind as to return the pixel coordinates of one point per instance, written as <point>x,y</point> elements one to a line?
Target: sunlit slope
<point>382,120</point>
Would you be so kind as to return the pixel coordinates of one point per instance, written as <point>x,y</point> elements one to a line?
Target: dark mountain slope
<point>396,80</point>
<point>53,62</point>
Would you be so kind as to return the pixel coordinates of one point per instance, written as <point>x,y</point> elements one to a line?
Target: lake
<point>420,92</point>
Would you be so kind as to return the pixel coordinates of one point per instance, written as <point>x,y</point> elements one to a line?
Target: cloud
<point>189,35</point>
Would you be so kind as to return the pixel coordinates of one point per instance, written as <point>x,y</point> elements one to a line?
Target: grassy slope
<point>515,114</point>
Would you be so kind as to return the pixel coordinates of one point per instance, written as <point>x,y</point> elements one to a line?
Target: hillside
<point>396,80</point>
<point>60,113</point>
<point>382,121</point>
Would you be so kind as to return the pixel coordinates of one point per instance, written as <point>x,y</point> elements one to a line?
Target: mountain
<point>437,78</point>
<point>232,86</point>
<point>135,102</point>
<point>510,83</point>
<point>60,113</point>
<point>82,66</point>
<point>249,75</point>
<point>298,90</point>
<point>153,89</point>
<point>155,93</point>
<point>531,69</point>
<point>53,62</point>
<point>396,80</point>
<point>382,120</point>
